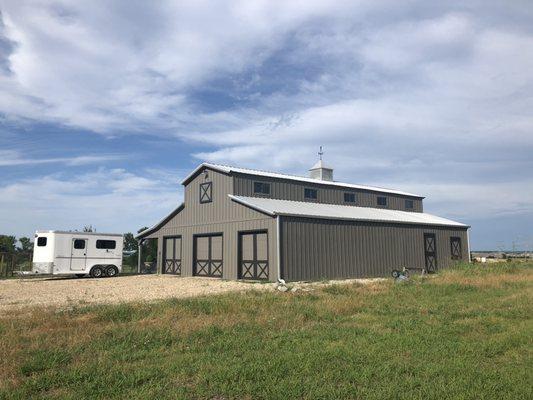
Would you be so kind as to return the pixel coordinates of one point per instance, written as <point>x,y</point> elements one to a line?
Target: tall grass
<point>465,333</point>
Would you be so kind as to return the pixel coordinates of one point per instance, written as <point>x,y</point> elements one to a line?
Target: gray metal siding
<point>221,215</point>
<point>294,190</point>
<point>313,249</point>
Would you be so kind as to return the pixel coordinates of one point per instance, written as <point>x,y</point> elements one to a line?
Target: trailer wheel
<point>96,272</point>
<point>111,271</point>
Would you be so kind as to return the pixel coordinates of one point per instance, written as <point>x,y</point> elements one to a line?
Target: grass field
<point>466,333</point>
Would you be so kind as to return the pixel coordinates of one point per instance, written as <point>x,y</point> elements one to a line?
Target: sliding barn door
<point>253,255</point>
<point>208,255</point>
<point>172,255</point>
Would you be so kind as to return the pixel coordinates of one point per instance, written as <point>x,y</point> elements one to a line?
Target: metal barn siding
<point>243,185</point>
<point>313,249</point>
<point>222,215</point>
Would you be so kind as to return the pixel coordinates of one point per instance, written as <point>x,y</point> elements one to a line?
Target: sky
<point>106,105</point>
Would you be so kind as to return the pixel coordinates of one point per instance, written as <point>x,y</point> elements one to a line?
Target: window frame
<point>77,241</point>
<point>382,197</point>
<point>350,194</point>
<point>98,246</point>
<point>312,190</point>
<point>263,186</point>
<point>206,195</point>
<point>409,201</point>
<point>39,240</point>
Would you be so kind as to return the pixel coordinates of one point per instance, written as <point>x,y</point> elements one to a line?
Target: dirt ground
<point>69,292</point>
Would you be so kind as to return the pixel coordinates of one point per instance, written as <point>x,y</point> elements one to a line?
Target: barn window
<point>79,244</point>
<point>206,191</point>
<point>382,201</point>
<point>349,197</point>
<point>106,244</point>
<point>261,188</point>
<point>310,193</point>
<point>409,204</point>
<point>455,246</point>
<point>41,242</point>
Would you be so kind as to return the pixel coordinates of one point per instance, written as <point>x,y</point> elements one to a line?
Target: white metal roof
<point>228,169</point>
<point>333,211</point>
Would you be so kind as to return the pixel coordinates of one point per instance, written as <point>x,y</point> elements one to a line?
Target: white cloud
<point>111,67</point>
<point>10,158</point>
<point>108,199</point>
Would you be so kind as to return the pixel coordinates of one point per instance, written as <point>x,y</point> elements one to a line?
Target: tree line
<point>10,244</point>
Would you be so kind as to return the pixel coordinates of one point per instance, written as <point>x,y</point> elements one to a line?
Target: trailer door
<point>78,254</point>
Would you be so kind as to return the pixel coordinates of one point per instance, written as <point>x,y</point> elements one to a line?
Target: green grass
<point>465,334</point>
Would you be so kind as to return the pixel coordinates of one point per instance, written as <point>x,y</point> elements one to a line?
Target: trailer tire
<point>111,271</point>
<point>97,272</point>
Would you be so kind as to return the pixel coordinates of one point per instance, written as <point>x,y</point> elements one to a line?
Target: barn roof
<point>228,169</point>
<point>154,228</point>
<point>276,207</point>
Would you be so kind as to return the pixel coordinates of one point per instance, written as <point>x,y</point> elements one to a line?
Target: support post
<point>139,255</point>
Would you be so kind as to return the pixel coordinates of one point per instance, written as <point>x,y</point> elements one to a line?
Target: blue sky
<point>105,106</point>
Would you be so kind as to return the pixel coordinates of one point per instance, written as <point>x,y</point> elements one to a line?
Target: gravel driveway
<point>65,292</point>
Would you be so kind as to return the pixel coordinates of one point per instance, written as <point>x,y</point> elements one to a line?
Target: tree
<point>88,228</point>
<point>7,243</point>
<point>26,245</point>
<point>149,249</point>
<point>130,243</point>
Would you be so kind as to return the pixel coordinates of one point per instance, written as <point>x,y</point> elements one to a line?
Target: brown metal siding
<point>315,249</point>
<point>221,215</point>
<point>294,190</point>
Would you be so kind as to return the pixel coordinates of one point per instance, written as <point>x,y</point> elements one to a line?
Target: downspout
<point>468,244</point>
<point>279,246</point>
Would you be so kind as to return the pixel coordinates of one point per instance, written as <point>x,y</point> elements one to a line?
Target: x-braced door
<point>172,255</point>
<point>208,255</point>
<point>253,255</point>
<point>430,250</point>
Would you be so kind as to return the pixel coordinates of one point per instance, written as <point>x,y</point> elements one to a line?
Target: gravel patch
<point>16,294</point>
<point>67,292</point>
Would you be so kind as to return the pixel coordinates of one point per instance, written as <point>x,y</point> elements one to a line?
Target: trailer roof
<point>276,207</point>
<point>79,233</point>
<point>228,169</point>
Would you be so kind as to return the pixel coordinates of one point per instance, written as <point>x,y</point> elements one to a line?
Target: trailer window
<point>106,244</point>
<point>41,241</point>
<point>79,244</point>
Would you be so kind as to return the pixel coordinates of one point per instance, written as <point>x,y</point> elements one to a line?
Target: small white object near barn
<point>77,253</point>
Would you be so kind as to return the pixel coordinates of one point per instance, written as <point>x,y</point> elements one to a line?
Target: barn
<point>238,223</point>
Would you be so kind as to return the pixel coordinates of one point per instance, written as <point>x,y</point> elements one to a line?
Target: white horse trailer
<point>77,253</point>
